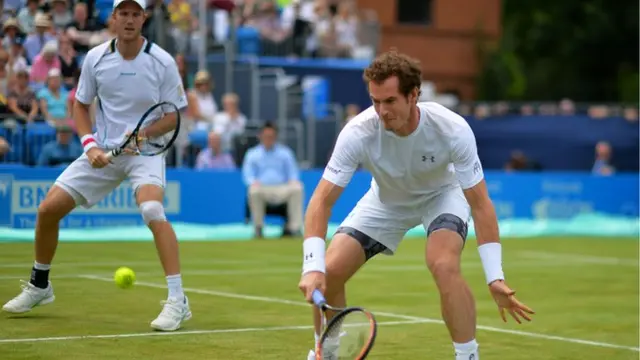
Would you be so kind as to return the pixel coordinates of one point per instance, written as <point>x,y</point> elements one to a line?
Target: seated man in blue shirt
<point>61,151</point>
<point>271,173</point>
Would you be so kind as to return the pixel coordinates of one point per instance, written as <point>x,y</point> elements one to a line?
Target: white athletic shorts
<point>89,186</point>
<point>388,224</point>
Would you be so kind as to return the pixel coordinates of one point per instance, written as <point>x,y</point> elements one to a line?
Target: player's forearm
<point>315,232</point>
<point>317,219</point>
<point>162,126</point>
<point>488,238</point>
<point>82,119</point>
<point>486,223</point>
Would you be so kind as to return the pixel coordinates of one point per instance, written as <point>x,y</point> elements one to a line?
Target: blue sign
<point>220,197</point>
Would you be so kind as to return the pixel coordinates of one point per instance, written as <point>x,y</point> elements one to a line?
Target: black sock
<point>39,278</point>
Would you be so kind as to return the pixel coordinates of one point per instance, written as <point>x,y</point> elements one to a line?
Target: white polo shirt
<point>125,89</point>
<point>439,155</point>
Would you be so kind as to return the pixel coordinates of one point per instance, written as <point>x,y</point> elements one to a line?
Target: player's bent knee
<point>449,222</point>
<point>152,211</point>
<point>443,267</point>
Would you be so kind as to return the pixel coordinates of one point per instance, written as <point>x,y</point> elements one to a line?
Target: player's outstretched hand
<point>311,281</point>
<point>506,301</point>
<point>97,158</point>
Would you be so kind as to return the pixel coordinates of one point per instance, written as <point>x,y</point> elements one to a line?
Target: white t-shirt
<point>125,89</point>
<point>439,155</point>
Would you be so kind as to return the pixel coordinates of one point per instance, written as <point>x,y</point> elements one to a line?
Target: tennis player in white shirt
<point>426,170</point>
<point>127,75</point>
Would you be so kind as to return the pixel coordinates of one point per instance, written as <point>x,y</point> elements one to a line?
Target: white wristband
<point>313,258</point>
<point>88,142</point>
<point>491,257</point>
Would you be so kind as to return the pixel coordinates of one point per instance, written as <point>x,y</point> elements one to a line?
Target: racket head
<point>157,145</point>
<point>349,335</point>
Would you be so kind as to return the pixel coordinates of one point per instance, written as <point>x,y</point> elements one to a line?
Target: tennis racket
<point>138,145</point>
<point>349,335</point>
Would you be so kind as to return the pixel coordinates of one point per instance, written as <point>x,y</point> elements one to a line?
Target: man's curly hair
<point>393,63</point>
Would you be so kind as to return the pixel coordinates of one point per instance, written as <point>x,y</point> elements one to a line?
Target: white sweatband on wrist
<point>313,258</point>
<point>88,142</point>
<point>491,257</point>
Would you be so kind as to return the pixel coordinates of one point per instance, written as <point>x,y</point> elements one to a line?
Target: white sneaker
<point>29,298</point>
<point>327,354</point>
<point>472,356</point>
<point>173,313</point>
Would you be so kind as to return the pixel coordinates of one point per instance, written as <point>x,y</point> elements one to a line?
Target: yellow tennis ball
<point>124,277</point>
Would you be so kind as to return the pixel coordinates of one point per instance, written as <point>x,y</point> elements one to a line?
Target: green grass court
<point>246,304</point>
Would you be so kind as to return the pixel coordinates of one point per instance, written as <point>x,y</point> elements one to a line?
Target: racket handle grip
<point>318,298</point>
<point>110,155</point>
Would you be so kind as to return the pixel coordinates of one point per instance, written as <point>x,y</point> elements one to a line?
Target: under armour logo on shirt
<point>425,157</point>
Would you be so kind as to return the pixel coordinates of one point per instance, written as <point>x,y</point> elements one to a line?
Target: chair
<point>273,210</point>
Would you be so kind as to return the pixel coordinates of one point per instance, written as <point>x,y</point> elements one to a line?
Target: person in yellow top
<point>183,23</point>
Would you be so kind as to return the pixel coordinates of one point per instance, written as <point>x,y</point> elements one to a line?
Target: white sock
<point>317,339</point>
<point>174,283</point>
<point>466,350</point>
<point>39,266</point>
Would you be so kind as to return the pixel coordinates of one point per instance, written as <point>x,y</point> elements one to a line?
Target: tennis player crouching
<point>426,170</point>
<point>128,75</point>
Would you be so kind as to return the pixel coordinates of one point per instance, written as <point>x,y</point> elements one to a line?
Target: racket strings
<point>157,144</point>
<point>347,337</point>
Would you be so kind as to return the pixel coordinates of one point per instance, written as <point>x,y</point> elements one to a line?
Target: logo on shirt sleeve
<point>333,170</point>
<point>476,167</point>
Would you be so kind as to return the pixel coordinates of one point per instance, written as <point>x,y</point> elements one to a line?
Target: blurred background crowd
<point>44,43</point>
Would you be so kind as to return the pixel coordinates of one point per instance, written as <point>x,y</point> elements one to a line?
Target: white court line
<point>131,263</point>
<point>585,259</point>
<point>387,314</point>
<point>193,332</point>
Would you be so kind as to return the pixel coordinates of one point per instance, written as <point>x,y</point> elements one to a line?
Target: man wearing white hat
<point>36,41</point>
<point>127,75</point>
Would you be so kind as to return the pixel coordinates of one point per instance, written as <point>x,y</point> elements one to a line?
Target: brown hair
<point>393,63</point>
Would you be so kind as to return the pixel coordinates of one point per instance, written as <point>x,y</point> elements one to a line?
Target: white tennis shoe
<point>29,298</point>
<point>173,313</point>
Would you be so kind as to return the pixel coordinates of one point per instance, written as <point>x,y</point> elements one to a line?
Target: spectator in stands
<point>22,100</point>
<point>62,151</point>
<point>602,165</point>
<point>17,60</point>
<point>4,147</point>
<point>27,16</point>
<point>298,18</point>
<point>103,35</point>
<point>230,122</point>
<point>53,99</point>
<point>519,162</point>
<point>183,71</point>
<point>352,111</point>
<point>527,110</point>
<point>346,27</point>
<point>11,31</point>
<point>5,73</point>
<point>61,15</point>
<point>213,157</point>
<point>36,40</point>
<point>44,62</point>
<point>68,60</point>
<point>71,98</point>
<point>202,106</point>
<point>158,25</point>
<point>630,114</point>
<point>82,28</point>
<point>274,36</point>
<point>567,107</point>
<point>183,23</point>
<point>271,173</point>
